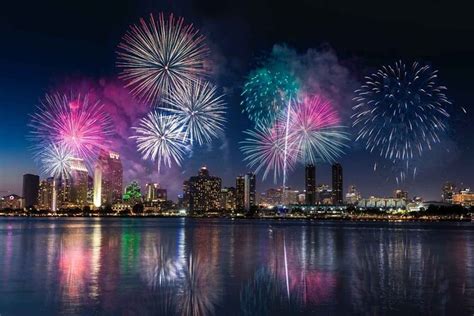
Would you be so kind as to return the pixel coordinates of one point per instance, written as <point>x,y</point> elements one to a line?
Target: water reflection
<point>185,267</point>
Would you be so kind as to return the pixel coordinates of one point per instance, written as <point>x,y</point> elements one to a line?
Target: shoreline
<point>391,218</point>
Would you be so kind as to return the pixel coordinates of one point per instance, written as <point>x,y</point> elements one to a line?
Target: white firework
<point>200,110</point>
<point>158,56</point>
<point>160,138</point>
<point>55,160</point>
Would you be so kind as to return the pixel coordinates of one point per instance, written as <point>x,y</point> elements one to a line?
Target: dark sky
<point>44,43</point>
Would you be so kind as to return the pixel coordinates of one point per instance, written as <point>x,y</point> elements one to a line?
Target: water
<point>223,267</point>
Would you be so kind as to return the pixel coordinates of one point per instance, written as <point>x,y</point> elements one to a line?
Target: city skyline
<point>72,70</point>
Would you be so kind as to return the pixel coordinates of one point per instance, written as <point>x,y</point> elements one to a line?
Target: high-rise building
<point>324,194</point>
<point>45,194</point>
<point>202,192</point>
<point>108,179</point>
<point>353,195</point>
<point>337,191</point>
<point>227,199</point>
<point>310,184</point>
<point>250,191</point>
<point>30,189</point>
<point>464,197</point>
<point>448,191</point>
<point>271,197</point>
<point>240,193</point>
<point>154,193</point>
<point>79,183</point>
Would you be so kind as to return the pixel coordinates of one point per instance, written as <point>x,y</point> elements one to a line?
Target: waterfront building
<point>45,194</point>
<point>133,193</point>
<point>337,182</point>
<point>383,203</point>
<point>108,179</point>
<point>78,184</point>
<point>12,201</point>
<point>353,195</point>
<point>227,199</point>
<point>464,197</point>
<point>30,189</point>
<point>154,193</point>
<point>448,190</point>
<point>400,194</point>
<point>271,197</point>
<point>202,192</point>
<point>310,184</point>
<point>240,193</point>
<point>324,195</point>
<point>250,191</point>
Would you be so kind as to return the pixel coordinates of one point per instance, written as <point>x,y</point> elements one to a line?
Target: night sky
<point>46,45</point>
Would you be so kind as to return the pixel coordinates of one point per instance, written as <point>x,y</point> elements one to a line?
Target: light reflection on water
<point>206,267</point>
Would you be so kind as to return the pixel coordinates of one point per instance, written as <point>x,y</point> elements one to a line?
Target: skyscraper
<point>337,197</point>
<point>79,183</point>
<point>108,179</point>
<point>227,198</point>
<point>310,184</point>
<point>448,192</point>
<point>240,193</point>
<point>250,192</point>
<point>45,194</point>
<point>202,192</point>
<point>154,193</point>
<point>30,189</point>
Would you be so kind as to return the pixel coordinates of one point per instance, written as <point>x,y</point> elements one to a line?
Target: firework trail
<point>264,150</point>
<point>266,93</point>
<point>158,56</point>
<point>199,109</point>
<point>82,127</point>
<point>314,130</point>
<point>401,111</point>
<point>160,138</point>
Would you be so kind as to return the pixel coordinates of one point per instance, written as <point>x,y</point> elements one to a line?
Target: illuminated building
<point>464,197</point>
<point>240,192</point>
<point>337,184</point>
<point>79,183</point>
<point>154,193</point>
<point>250,191</point>
<point>310,184</point>
<point>30,189</point>
<point>108,179</point>
<point>271,197</point>
<point>384,203</point>
<point>63,192</point>
<point>448,191</point>
<point>45,194</point>
<point>202,192</point>
<point>352,196</point>
<point>227,199</point>
<point>132,194</point>
<point>400,194</point>
<point>324,195</point>
<point>12,201</point>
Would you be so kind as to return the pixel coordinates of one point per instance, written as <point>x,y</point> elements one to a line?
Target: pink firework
<point>314,130</point>
<point>74,122</point>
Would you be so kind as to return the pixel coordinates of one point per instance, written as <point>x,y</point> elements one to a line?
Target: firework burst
<point>72,122</point>
<point>55,160</point>
<point>161,55</point>
<point>314,130</point>
<point>199,109</point>
<point>160,138</point>
<point>264,150</point>
<point>267,93</point>
<point>401,111</point>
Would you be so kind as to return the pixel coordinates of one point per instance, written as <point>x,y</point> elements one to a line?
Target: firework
<point>266,93</point>
<point>161,55</point>
<point>314,131</point>
<point>401,111</point>
<point>199,109</point>
<point>264,150</point>
<point>160,138</point>
<point>55,160</point>
<point>82,127</point>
